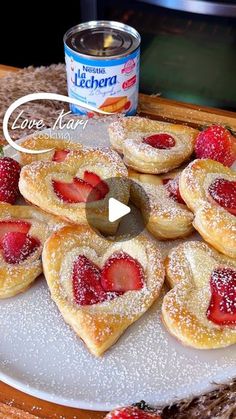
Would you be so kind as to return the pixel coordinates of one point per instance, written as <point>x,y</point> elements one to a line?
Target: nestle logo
<point>128,67</point>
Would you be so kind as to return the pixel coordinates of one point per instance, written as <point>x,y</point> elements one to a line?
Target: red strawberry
<point>96,181</point>
<point>224,193</point>
<point>16,246</point>
<point>60,155</point>
<point>216,143</point>
<point>86,282</point>
<point>122,273</point>
<point>161,141</point>
<point>131,412</point>
<point>76,191</point>
<point>222,307</point>
<point>9,179</point>
<point>14,225</point>
<point>172,187</point>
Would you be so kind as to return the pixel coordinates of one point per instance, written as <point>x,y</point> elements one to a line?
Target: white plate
<point>41,355</point>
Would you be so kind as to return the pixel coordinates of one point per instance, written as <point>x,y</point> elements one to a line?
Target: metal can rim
<point>106,24</point>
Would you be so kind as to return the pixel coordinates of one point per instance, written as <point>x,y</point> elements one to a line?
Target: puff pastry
<point>23,231</point>
<point>209,190</point>
<point>61,149</point>
<point>200,309</point>
<point>151,146</point>
<point>166,215</point>
<point>60,188</point>
<point>100,320</point>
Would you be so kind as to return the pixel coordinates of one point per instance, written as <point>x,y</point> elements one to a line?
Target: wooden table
<point>15,404</point>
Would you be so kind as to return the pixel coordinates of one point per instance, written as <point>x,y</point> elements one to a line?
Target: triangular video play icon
<point>117,210</point>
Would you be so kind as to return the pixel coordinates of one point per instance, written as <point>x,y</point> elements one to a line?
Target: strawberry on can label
<point>102,63</point>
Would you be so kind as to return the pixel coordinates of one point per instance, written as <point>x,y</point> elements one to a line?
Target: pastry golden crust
<point>215,224</point>
<point>99,325</point>
<point>127,135</point>
<point>164,217</point>
<point>153,179</point>
<point>189,267</point>
<point>37,187</point>
<point>41,142</point>
<point>15,278</point>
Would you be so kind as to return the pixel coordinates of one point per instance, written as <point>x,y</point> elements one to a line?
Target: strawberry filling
<point>172,186</point>
<point>60,155</point>
<point>89,189</point>
<point>222,307</point>
<point>96,182</point>
<point>17,246</point>
<point>216,143</point>
<point>14,226</point>
<point>161,141</point>
<point>92,285</point>
<point>224,193</point>
<point>86,282</point>
<point>122,273</point>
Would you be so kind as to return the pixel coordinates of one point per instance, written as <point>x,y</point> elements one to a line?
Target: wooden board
<point>192,115</point>
<point>17,405</point>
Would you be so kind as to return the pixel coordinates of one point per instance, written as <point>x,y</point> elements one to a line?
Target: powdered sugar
<point>40,354</point>
<point>147,363</point>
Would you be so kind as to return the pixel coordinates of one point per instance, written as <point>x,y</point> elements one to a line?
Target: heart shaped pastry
<point>60,149</point>
<point>23,231</point>
<point>164,211</point>
<point>101,287</point>
<point>151,146</point>
<point>79,187</point>
<point>209,190</point>
<point>200,310</point>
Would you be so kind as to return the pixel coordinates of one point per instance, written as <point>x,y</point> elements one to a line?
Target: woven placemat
<point>220,403</point>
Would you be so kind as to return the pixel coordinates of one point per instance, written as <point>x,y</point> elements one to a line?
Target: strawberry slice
<point>122,273</point>
<point>222,307</point>
<point>86,282</point>
<point>76,191</point>
<point>13,225</point>
<point>224,193</point>
<point>216,143</point>
<point>161,141</point>
<point>94,180</point>
<point>17,246</point>
<point>60,155</point>
<point>172,187</point>
<point>131,412</point>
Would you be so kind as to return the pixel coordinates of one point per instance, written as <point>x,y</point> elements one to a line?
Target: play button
<point>117,210</point>
<point>114,216</point>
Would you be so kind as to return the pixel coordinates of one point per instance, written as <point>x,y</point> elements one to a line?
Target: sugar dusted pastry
<point>78,187</point>
<point>60,149</point>
<point>159,199</point>
<point>200,309</point>
<point>151,146</point>
<point>101,287</point>
<point>23,231</point>
<point>209,190</point>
